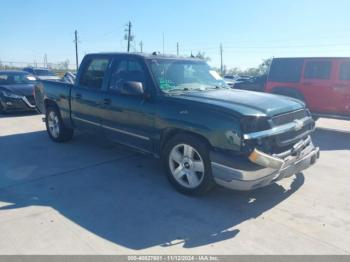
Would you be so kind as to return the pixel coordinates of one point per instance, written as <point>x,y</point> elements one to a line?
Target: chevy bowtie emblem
<point>298,124</point>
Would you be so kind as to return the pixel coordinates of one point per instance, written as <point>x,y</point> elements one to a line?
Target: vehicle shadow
<point>331,139</point>
<point>18,114</point>
<point>128,200</point>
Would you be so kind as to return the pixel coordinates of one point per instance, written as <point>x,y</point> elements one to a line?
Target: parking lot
<point>93,197</point>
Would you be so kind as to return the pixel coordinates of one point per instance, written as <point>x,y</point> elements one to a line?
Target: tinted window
<point>43,72</point>
<point>345,71</point>
<point>15,78</point>
<point>318,70</point>
<point>126,70</point>
<point>93,75</point>
<point>29,70</point>
<point>285,70</point>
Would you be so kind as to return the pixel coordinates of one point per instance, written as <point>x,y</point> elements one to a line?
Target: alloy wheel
<point>53,123</point>
<point>186,166</point>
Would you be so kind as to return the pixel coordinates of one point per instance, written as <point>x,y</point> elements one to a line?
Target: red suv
<point>322,83</point>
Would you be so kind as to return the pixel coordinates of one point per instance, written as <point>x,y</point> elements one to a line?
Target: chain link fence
<point>58,67</point>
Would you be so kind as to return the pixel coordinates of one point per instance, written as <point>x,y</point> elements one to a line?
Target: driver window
<point>126,70</point>
<point>93,75</point>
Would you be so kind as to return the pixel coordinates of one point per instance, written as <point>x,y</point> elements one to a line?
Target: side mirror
<point>132,88</point>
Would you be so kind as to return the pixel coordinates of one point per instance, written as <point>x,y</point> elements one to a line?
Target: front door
<point>316,84</point>
<point>87,96</point>
<point>129,119</point>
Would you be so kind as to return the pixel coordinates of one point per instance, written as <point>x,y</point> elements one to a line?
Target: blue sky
<point>249,30</point>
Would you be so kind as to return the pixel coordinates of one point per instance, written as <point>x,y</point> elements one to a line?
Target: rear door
<point>316,84</point>
<point>129,119</point>
<point>341,87</point>
<point>87,96</point>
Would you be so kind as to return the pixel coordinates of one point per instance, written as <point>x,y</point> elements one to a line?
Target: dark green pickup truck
<point>181,111</point>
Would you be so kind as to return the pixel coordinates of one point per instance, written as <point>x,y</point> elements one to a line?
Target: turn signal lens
<point>265,160</point>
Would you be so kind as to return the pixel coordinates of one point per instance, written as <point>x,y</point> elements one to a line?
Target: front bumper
<point>239,173</point>
<point>16,104</point>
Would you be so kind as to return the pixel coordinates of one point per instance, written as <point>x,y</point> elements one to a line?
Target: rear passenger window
<point>126,70</point>
<point>286,70</point>
<point>318,70</point>
<point>93,75</point>
<point>345,71</point>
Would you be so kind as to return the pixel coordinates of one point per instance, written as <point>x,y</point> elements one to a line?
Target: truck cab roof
<point>144,55</point>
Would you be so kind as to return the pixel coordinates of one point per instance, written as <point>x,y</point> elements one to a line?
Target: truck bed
<point>56,91</point>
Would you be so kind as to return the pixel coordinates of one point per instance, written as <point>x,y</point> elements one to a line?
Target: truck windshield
<point>185,75</point>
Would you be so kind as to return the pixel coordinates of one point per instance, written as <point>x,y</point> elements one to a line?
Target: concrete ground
<point>93,197</point>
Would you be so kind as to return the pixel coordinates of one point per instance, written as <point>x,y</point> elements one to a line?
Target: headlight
<point>10,94</point>
<point>254,124</point>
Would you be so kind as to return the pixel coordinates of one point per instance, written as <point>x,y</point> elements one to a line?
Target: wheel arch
<point>51,103</point>
<point>169,133</point>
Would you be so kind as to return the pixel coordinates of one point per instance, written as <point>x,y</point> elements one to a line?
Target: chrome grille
<point>291,137</point>
<point>289,117</point>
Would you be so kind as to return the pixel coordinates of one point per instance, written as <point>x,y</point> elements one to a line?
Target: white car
<point>230,80</point>
<point>42,73</point>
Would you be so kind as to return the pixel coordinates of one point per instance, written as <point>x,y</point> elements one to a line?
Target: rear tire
<point>187,163</point>
<point>55,126</point>
<point>2,111</point>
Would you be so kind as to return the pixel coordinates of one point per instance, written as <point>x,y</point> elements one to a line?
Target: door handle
<point>78,96</point>
<point>106,101</point>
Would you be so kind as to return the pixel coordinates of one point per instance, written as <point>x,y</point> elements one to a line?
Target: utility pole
<point>141,46</point>
<point>163,44</point>
<point>177,49</point>
<point>129,35</point>
<point>45,60</point>
<point>76,49</point>
<point>221,64</point>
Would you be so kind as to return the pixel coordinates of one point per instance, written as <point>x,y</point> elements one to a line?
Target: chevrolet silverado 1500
<point>182,112</point>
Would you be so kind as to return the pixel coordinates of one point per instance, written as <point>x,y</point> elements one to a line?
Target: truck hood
<point>19,89</point>
<point>246,102</point>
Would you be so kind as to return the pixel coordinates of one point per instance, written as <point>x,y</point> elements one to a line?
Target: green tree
<point>264,66</point>
<point>261,69</point>
<point>201,55</point>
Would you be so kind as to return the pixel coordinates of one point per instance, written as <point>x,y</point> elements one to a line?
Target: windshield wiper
<point>186,88</point>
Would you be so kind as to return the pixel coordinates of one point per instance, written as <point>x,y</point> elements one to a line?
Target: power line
<point>338,36</point>
<point>270,47</point>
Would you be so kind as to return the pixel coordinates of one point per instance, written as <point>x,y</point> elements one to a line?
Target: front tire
<point>2,110</point>
<point>55,126</point>
<point>187,163</point>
